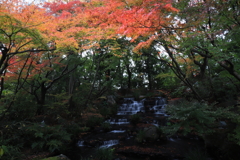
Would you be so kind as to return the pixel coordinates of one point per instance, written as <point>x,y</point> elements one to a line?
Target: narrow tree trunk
<point>41,101</point>
<point>179,73</point>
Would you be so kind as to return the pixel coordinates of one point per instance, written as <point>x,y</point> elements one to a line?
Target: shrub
<point>114,109</point>
<point>108,110</point>
<point>23,107</point>
<point>69,125</point>
<point>135,119</point>
<point>235,135</point>
<point>105,111</point>
<point>1,151</point>
<point>94,121</point>
<point>140,136</point>
<point>136,94</point>
<point>193,117</point>
<point>11,141</point>
<point>50,138</point>
<point>106,126</point>
<point>57,105</point>
<point>60,157</point>
<point>10,152</point>
<point>105,154</point>
<point>161,133</point>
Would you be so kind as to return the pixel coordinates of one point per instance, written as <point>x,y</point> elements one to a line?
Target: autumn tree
<point>34,55</point>
<point>18,33</point>
<point>189,40</point>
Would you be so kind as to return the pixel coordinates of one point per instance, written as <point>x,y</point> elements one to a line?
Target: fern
<point>197,118</point>
<point>51,138</point>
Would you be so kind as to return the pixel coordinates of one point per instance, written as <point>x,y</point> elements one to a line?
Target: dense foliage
<point>58,58</point>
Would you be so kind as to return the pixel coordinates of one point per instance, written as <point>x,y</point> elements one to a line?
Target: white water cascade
<point>130,106</point>
<point>107,144</point>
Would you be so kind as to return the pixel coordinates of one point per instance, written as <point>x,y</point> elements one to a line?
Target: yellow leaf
<point>1,152</point>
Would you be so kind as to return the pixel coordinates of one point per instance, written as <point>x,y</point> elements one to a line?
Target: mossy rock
<point>151,133</point>
<point>59,157</point>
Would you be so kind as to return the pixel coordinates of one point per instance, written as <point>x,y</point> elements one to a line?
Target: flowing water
<point>109,143</point>
<point>80,143</point>
<point>154,106</point>
<point>118,121</point>
<point>117,131</point>
<point>130,107</point>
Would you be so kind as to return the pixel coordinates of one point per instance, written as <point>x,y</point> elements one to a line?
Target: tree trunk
<point>41,101</point>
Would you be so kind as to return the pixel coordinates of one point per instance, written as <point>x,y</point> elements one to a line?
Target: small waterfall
<point>155,123</point>
<point>152,112</point>
<point>130,107</point>
<point>128,99</point>
<point>159,107</point>
<point>117,131</point>
<point>109,143</point>
<point>117,121</point>
<point>122,121</point>
<point>160,101</point>
<point>80,143</point>
<point>173,138</point>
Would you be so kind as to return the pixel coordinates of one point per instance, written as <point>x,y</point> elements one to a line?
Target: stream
<point>122,136</point>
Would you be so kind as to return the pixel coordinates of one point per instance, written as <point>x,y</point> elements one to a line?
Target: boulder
<point>59,157</point>
<point>151,133</point>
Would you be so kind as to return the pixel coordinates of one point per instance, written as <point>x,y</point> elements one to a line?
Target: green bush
<point>106,126</point>
<point>180,91</point>
<point>1,151</point>
<point>168,81</point>
<point>194,117</point>
<point>105,111</point>
<point>50,138</point>
<point>11,141</point>
<point>104,154</point>
<point>135,119</point>
<point>235,135</point>
<point>59,157</point>
<point>114,109</point>
<point>94,121</point>
<point>140,136</point>
<point>10,152</point>
<point>20,107</point>
<point>136,94</point>
<point>57,105</point>
<point>161,133</point>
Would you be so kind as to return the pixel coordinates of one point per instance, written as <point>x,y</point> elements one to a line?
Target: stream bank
<point>135,132</point>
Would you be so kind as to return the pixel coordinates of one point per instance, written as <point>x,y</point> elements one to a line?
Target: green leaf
<point>4,148</point>
<point>38,134</point>
<point>1,152</point>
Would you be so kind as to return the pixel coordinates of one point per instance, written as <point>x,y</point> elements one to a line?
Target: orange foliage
<point>104,19</point>
<point>79,25</point>
<point>68,24</point>
<point>95,20</point>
